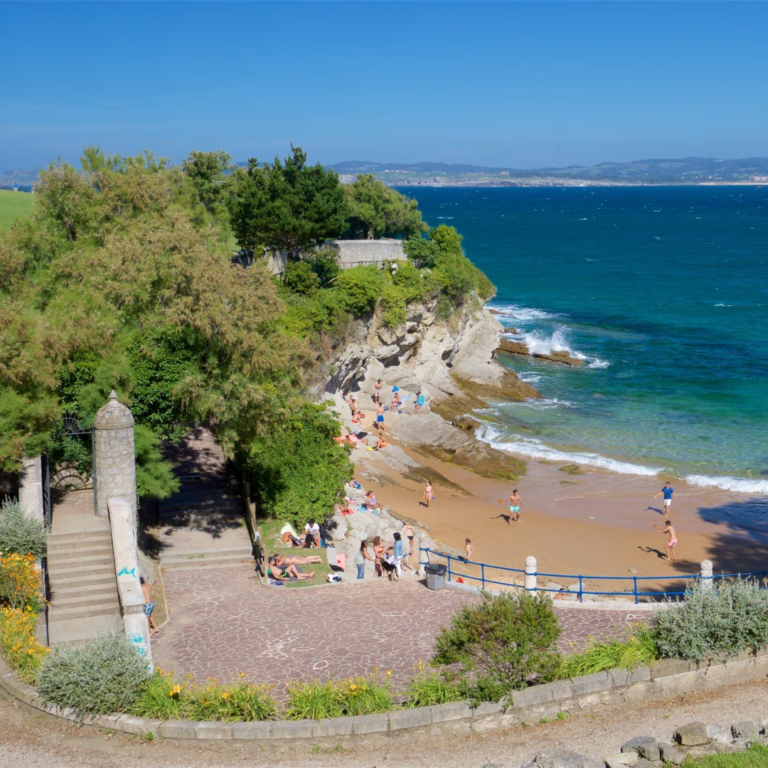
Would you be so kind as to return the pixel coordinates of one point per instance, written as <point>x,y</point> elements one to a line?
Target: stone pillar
<point>114,456</point>
<point>31,488</point>
<point>530,573</point>
<point>706,574</point>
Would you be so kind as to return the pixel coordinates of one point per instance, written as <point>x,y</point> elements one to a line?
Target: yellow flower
<point>225,695</point>
<point>175,692</point>
<point>241,674</point>
<point>389,673</point>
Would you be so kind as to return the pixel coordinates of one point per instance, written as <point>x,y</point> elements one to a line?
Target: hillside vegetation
<point>122,277</point>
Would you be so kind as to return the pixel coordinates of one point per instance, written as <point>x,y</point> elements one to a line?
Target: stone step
<point>73,538</point>
<point>205,501</point>
<point>84,612</point>
<point>68,631</point>
<point>57,545</point>
<point>100,587</point>
<point>108,600</point>
<point>210,561</point>
<point>58,562</point>
<point>174,555</point>
<point>81,569</point>
<point>186,517</point>
<point>78,580</point>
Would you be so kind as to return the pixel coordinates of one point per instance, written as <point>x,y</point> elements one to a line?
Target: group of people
<point>390,559</point>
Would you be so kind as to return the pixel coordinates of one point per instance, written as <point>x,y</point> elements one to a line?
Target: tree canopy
<point>376,210</point>
<point>288,205</point>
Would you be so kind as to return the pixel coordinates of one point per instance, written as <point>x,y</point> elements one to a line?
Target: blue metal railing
<point>633,588</point>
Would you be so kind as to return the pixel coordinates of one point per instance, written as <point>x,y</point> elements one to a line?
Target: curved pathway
<point>223,623</point>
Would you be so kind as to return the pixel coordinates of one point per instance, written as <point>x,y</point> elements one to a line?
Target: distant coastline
<point>557,183</point>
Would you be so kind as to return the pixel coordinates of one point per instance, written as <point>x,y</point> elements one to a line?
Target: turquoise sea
<point>663,291</point>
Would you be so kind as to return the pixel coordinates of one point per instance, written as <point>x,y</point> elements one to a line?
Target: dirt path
<point>28,741</point>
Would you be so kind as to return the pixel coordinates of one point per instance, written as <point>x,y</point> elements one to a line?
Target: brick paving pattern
<point>223,622</point>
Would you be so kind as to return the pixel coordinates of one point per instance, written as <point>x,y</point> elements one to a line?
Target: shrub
<point>166,699</point>
<point>638,648</point>
<point>422,252</point>
<point>17,640</point>
<point>722,621</point>
<point>300,278</point>
<point>20,584</point>
<point>96,678</point>
<point>19,533</point>
<point>298,470</point>
<point>359,289</point>
<point>339,698</point>
<point>428,688</point>
<point>393,306</point>
<point>501,643</point>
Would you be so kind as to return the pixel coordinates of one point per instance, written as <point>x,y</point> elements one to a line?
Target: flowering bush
<point>339,698</point>
<point>165,698</point>
<point>17,640</point>
<point>20,533</point>
<point>20,584</point>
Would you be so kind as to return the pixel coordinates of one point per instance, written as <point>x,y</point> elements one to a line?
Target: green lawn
<point>13,205</point>
<point>756,757</point>
<point>270,532</point>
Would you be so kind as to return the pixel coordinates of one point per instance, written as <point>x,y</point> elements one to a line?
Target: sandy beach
<point>593,523</point>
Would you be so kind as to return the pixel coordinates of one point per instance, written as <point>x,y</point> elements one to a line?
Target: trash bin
<point>435,575</point>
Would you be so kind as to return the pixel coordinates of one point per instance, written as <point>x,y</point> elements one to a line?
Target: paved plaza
<point>223,623</point>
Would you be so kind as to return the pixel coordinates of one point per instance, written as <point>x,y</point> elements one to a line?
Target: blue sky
<point>514,84</point>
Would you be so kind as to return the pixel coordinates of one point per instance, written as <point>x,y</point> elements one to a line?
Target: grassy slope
<point>13,205</point>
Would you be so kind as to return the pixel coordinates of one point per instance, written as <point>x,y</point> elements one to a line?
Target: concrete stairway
<point>83,598</point>
<point>195,503</point>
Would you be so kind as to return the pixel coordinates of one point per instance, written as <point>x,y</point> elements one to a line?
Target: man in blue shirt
<point>669,494</point>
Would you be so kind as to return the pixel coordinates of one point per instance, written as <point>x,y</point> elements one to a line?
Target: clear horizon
<point>519,85</point>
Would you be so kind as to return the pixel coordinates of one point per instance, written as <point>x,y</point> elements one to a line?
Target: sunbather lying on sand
<point>281,560</point>
<point>283,573</point>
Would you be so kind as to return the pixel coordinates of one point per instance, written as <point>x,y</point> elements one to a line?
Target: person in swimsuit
<point>377,392</point>
<point>378,554</point>
<point>149,606</point>
<point>408,531</point>
<point>671,541</point>
<point>669,494</point>
<point>515,502</point>
<point>419,402</point>
<point>282,561</point>
<point>280,573</point>
<point>429,494</point>
<point>380,418</point>
<point>467,551</point>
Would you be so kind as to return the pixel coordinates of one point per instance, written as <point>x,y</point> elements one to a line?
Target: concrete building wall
<point>350,253</point>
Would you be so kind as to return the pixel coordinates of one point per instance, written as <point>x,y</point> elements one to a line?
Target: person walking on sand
<point>377,392</point>
<point>668,492</point>
<point>429,494</point>
<point>467,550</point>
<point>408,531</point>
<point>515,503</point>
<point>380,418</point>
<point>669,530</point>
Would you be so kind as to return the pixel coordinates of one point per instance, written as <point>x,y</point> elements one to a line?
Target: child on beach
<point>429,494</point>
<point>515,502</point>
<point>669,494</point>
<point>467,550</point>
<point>419,402</point>
<point>671,541</point>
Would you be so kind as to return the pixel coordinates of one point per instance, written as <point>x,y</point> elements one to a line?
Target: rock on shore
<point>512,347</point>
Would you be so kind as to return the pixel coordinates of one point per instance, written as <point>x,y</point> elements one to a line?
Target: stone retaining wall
<point>664,680</point>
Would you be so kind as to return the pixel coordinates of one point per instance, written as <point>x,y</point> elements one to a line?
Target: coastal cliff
<point>452,362</point>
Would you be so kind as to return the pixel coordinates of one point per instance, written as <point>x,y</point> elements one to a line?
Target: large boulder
<point>562,758</point>
<point>746,730</point>
<point>645,746</point>
<point>692,735</point>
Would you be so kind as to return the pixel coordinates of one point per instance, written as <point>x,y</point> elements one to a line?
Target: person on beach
<point>397,553</point>
<point>149,606</point>
<point>380,443</point>
<point>377,392</point>
<point>380,418</point>
<point>408,531</point>
<point>352,403</point>
<point>279,573</point>
<point>515,503</point>
<point>419,402</point>
<point>668,492</point>
<point>361,557</point>
<point>669,530</point>
<point>429,494</point>
<point>378,554</point>
<point>312,529</point>
<point>281,560</point>
<point>467,550</point>
<point>370,501</point>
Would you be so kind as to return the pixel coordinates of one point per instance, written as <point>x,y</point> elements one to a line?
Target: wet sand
<point>593,523</point>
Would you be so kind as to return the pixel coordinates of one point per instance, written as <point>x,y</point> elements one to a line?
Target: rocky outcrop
<point>443,358</point>
<point>512,347</point>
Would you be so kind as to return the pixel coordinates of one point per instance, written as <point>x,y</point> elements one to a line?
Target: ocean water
<point>662,291</point>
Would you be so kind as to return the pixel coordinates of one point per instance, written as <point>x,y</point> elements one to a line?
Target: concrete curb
<point>663,680</point>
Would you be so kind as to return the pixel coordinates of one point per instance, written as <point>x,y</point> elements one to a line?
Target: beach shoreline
<point>591,523</point>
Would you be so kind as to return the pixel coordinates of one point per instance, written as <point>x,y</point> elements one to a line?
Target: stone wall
<point>350,253</point>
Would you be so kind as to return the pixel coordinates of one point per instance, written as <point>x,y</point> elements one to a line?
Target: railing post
<point>706,574</point>
<point>634,578</point>
<point>581,589</point>
<point>530,573</point>
<point>448,557</point>
<point>482,574</point>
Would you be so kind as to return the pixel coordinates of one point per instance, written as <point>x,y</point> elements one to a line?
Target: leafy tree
<point>500,643</point>
<point>376,210</point>
<point>423,252</point>
<point>300,278</point>
<point>288,205</point>
<point>359,289</point>
<point>298,470</point>
<point>207,172</point>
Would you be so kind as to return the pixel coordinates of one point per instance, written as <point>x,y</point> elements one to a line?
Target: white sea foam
<point>521,314</point>
<point>727,483</point>
<point>539,343</point>
<point>725,305</point>
<point>529,377</point>
<point>598,363</point>
<point>528,446</point>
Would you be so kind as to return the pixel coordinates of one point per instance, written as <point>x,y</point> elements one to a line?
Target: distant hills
<point>685,170</point>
